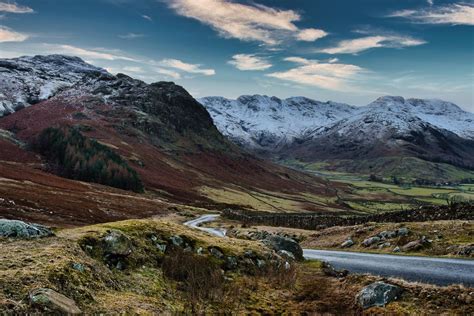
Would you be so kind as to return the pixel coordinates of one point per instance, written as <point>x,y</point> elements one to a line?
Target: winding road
<point>439,271</point>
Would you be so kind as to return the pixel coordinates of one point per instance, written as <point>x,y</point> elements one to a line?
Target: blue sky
<point>341,50</point>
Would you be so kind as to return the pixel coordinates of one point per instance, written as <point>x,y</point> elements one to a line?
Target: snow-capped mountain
<point>28,80</point>
<point>269,123</point>
<point>311,130</point>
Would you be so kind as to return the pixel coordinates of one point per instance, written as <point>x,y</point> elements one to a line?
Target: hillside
<point>159,131</point>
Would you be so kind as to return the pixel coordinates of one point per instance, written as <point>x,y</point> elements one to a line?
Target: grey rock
<point>261,263</point>
<point>177,241</point>
<point>403,232</point>
<point>20,229</point>
<point>348,243</point>
<point>415,245</point>
<point>78,266</point>
<point>387,234</point>
<point>286,255</point>
<point>200,251</point>
<point>467,250</point>
<point>231,263</point>
<point>161,247</point>
<point>370,241</point>
<point>278,243</point>
<point>117,243</point>
<point>385,245</point>
<point>329,270</point>
<point>53,302</point>
<point>378,294</point>
<point>216,252</point>
<point>396,249</point>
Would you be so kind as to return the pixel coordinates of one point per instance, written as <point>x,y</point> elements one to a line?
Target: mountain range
<point>364,138</point>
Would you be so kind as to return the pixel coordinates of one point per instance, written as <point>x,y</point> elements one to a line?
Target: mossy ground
<point>142,288</point>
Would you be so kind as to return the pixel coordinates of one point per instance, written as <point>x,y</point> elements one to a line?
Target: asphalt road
<point>439,271</point>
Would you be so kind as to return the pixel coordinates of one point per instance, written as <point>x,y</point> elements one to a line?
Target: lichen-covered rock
<point>278,243</point>
<point>378,294</point>
<point>20,229</point>
<point>50,301</point>
<point>231,263</point>
<point>177,241</point>
<point>117,243</point>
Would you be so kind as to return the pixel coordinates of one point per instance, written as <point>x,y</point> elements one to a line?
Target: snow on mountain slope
<point>261,122</point>
<point>28,80</point>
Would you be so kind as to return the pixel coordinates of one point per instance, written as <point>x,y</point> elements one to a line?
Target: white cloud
<point>134,69</point>
<point>454,14</point>
<point>310,35</point>
<point>169,73</point>
<point>86,53</point>
<point>146,17</point>
<point>9,35</point>
<point>245,22</point>
<point>249,62</point>
<point>131,36</point>
<point>332,76</point>
<point>12,7</point>
<point>358,45</point>
<point>190,68</point>
<point>430,2</point>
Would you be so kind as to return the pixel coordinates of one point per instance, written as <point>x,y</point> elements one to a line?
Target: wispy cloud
<point>169,73</point>
<point>430,2</point>
<point>86,53</point>
<point>254,22</point>
<point>249,62</point>
<point>190,68</point>
<point>310,35</point>
<point>358,45</point>
<point>9,35</point>
<point>12,7</point>
<point>131,36</point>
<point>454,14</point>
<point>326,75</point>
<point>146,17</point>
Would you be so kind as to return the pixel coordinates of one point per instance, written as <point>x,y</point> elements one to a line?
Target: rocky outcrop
<point>378,294</point>
<point>52,302</point>
<point>20,229</point>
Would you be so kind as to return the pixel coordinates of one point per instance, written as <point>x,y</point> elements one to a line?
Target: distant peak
<point>390,98</point>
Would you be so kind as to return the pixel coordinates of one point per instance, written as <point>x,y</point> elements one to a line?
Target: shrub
<point>78,157</point>
<point>200,278</point>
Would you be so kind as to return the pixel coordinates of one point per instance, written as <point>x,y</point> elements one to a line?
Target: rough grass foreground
<point>150,281</point>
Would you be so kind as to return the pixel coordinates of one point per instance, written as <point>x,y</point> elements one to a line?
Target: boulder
<point>177,241</point>
<point>53,302</point>
<point>403,232</point>
<point>278,243</point>
<point>20,229</point>
<point>370,241</point>
<point>348,243</point>
<point>378,294</point>
<point>231,263</point>
<point>415,245</point>
<point>396,249</point>
<point>116,243</point>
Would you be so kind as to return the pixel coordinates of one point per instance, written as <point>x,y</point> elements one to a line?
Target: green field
<point>372,197</point>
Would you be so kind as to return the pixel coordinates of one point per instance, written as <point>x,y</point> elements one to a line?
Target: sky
<point>350,51</point>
